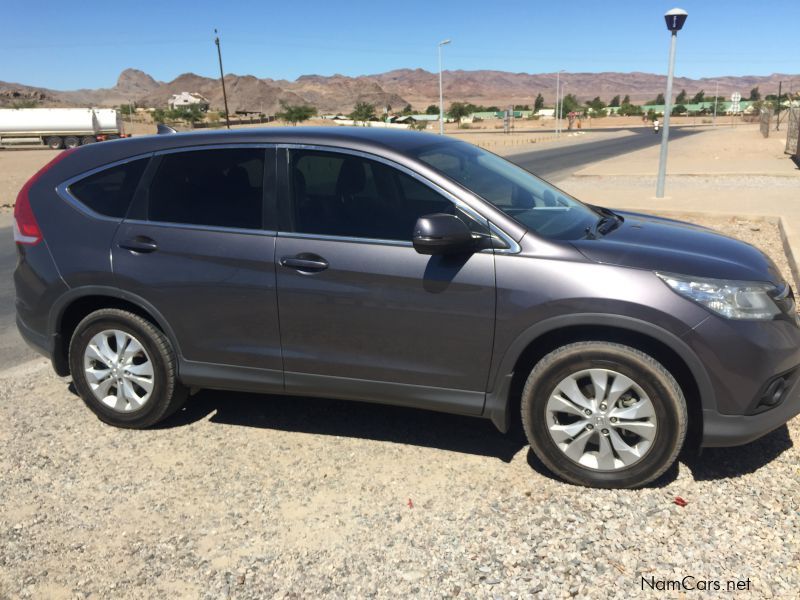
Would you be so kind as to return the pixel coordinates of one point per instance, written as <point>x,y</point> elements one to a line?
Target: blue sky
<point>64,45</point>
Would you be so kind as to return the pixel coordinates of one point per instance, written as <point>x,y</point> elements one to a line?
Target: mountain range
<point>339,93</point>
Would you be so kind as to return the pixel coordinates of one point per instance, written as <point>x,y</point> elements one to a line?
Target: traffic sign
<point>736,97</point>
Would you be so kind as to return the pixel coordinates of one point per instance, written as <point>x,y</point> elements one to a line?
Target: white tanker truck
<point>59,127</point>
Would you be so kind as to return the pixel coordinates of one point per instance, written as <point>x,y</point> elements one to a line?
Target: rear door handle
<point>306,262</point>
<point>140,243</point>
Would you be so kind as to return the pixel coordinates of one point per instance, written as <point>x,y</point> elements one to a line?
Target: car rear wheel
<point>124,369</point>
<point>601,414</point>
<point>54,142</point>
<point>88,139</point>
<point>71,142</point>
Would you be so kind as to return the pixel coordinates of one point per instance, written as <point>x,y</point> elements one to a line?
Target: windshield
<point>531,201</point>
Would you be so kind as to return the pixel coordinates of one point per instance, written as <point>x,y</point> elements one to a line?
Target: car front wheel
<point>602,414</point>
<point>124,369</point>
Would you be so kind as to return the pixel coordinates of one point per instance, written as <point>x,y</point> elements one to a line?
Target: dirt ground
<point>246,496</point>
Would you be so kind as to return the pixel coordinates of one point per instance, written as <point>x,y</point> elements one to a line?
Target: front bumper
<point>741,358</point>
<point>734,430</point>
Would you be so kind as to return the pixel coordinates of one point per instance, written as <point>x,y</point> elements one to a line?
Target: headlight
<point>729,298</point>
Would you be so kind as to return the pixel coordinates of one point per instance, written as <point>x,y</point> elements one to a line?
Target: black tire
<point>659,385</point>
<point>88,139</point>
<point>167,395</point>
<point>54,142</point>
<point>71,142</point>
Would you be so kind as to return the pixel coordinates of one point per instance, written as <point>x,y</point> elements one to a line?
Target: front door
<point>362,314</point>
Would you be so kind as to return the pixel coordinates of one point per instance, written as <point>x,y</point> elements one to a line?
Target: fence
<point>793,132</point>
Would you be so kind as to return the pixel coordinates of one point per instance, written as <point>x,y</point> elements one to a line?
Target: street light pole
<point>675,19</point>
<point>222,79</point>
<point>441,91</point>
<point>558,99</point>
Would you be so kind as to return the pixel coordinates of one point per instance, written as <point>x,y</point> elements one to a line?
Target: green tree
<point>24,104</point>
<point>698,97</point>
<point>626,99</point>
<point>570,104</point>
<point>659,100</point>
<point>538,104</point>
<point>363,111</point>
<point>615,101</point>
<point>755,94</point>
<point>679,109</point>
<point>407,110</point>
<point>191,114</point>
<point>596,105</point>
<point>159,115</point>
<point>295,113</point>
<point>458,110</point>
<point>629,110</point>
<point>679,99</point>
<point>522,107</point>
<point>432,109</point>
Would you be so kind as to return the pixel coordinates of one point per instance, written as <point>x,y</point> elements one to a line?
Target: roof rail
<point>161,129</point>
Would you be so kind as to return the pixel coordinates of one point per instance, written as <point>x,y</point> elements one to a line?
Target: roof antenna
<point>162,129</point>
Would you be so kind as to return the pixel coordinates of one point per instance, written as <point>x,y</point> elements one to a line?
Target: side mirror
<point>442,234</point>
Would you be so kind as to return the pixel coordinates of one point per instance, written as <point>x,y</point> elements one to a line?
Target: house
<point>185,99</point>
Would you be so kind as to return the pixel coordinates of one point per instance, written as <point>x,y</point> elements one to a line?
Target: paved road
<point>12,349</point>
<point>561,161</point>
<point>551,163</point>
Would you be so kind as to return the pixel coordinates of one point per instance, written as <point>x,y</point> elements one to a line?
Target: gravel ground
<point>241,496</point>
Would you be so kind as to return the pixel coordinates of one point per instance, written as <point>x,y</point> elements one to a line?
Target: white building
<point>187,99</point>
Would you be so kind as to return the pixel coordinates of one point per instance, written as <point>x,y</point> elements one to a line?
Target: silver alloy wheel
<point>118,370</point>
<point>601,419</point>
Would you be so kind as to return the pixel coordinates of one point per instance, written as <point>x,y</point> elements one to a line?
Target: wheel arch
<point>502,402</point>
<point>73,306</point>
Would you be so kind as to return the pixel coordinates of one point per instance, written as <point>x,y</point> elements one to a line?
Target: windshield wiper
<point>610,220</point>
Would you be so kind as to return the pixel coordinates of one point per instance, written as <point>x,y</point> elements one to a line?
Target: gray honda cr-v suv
<point>402,268</point>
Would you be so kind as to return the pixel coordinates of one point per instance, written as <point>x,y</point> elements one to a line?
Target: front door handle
<point>305,262</point>
<point>140,243</point>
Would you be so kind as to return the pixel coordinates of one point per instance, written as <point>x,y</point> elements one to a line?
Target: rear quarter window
<point>109,192</point>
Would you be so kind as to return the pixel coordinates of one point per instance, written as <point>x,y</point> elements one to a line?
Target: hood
<point>658,244</point>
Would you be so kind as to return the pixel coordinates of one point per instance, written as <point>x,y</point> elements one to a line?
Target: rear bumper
<point>42,343</point>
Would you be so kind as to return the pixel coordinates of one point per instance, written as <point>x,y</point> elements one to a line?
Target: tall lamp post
<point>675,19</point>
<point>222,79</point>
<point>558,100</point>
<point>441,91</point>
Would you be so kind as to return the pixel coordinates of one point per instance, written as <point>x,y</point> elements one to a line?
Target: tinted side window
<point>344,195</point>
<point>220,188</point>
<point>109,192</point>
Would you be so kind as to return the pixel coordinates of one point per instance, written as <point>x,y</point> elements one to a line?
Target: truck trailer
<point>59,127</point>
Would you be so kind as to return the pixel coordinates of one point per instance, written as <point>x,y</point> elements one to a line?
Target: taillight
<point>26,229</point>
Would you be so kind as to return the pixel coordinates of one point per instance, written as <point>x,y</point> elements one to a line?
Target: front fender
<point>498,399</point>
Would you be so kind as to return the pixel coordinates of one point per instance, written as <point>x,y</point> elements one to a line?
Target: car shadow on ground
<point>454,433</point>
<point>350,419</point>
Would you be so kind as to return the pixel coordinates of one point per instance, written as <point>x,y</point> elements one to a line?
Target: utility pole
<point>778,108</point>
<point>716,94</point>
<point>675,19</point>
<point>222,79</point>
<point>441,91</point>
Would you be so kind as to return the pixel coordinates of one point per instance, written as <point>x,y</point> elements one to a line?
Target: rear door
<point>362,314</point>
<point>199,245</point>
